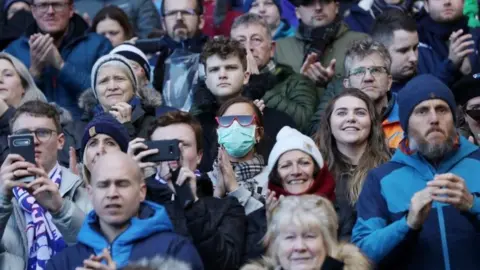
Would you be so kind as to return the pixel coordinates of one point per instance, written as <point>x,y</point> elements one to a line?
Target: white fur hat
<point>291,139</point>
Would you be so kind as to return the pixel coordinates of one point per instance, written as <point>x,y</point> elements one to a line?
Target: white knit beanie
<point>118,61</point>
<point>133,53</point>
<point>291,139</point>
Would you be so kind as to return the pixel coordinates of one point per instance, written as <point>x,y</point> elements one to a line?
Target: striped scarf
<point>44,239</point>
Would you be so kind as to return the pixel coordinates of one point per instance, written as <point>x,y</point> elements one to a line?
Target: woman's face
<point>112,30</point>
<point>113,86</point>
<point>11,88</point>
<point>97,147</point>
<point>242,109</point>
<point>300,249</point>
<point>296,169</point>
<point>350,121</point>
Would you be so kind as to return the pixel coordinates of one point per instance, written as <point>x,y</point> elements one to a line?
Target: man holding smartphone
<point>216,226</point>
<point>42,217</point>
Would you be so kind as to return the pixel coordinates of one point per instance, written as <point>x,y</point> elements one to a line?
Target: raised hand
<point>420,206</point>
<point>122,111</point>
<point>460,47</point>
<point>451,189</point>
<point>134,150</point>
<point>44,190</point>
<point>316,72</point>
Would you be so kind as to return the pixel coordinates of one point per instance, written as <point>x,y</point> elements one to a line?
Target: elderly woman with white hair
<point>114,90</point>
<point>302,235</point>
<point>16,87</point>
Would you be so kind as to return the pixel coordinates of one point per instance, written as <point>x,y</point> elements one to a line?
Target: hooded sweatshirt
<point>149,235</point>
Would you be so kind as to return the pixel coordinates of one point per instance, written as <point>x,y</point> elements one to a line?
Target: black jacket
<point>205,108</point>
<point>4,132</point>
<point>142,117</point>
<point>216,226</point>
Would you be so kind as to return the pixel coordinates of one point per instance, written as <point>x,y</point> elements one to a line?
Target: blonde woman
<point>302,235</point>
<point>16,87</point>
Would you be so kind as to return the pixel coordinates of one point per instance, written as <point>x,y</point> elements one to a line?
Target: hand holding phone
<point>24,146</point>
<point>168,150</point>
<point>12,168</point>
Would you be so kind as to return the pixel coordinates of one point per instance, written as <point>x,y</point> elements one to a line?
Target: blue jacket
<point>359,20</point>
<point>284,30</point>
<point>80,50</point>
<point>449,239</point>
<point>149,235</point>
<point>433,48</point>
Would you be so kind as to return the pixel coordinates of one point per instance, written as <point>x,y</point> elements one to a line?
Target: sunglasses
<point>474,114</point>
<point>243,120</point>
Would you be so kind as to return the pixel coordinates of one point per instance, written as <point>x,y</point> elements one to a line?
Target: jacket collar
<point>70,181</point>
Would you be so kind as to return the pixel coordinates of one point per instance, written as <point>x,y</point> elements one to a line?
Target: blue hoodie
<point>449,238</point>
<point>149,235</point>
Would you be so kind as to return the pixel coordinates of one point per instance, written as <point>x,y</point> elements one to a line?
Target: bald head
<point>116,165</point>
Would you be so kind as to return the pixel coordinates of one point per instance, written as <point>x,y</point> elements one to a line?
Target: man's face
<point>255,39</point>
<point>404,53</point>
<point>369,75</point>
<point>47,139</point>
<point>185,134</point>
<point>268,10</point>
<point>443,11</point>
<point>52,16</point>
<point>116,190</point>
<point>181,20</point>
<point>225,77</point>
<point>431,128</point>
<point>318,13</point>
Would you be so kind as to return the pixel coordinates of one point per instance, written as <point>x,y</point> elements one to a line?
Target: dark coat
<point>80,50</point>
<point>4,132</point>
<point>216,226</point>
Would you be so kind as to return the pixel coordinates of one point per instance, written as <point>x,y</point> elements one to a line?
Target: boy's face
<point>225,77</point>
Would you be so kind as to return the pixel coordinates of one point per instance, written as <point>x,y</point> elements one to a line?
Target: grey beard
<point>434,152</point>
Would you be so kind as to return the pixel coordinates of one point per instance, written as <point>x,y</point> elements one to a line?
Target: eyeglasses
<point>183,12</point>
<point>474,114</point>
<point>243,120</point>
<point>374,71</point>
<point>42,134</point>
<point>57,7</point>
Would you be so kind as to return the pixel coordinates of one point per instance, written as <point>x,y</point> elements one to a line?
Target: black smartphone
<point>183,193</point>
<point>168,150</point>
<point>151,45</point>
<point>23,145</point>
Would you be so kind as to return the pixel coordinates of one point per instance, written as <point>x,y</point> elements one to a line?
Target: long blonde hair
<point>376,151</point>
<point>312,212</point>
<point>31,90</point>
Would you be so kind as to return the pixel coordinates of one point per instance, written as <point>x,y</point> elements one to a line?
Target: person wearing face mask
<point>302,234</point>
<point>352,141</point>
<point>115,90</point>
<point>235,171</point>
<point>467,96</point>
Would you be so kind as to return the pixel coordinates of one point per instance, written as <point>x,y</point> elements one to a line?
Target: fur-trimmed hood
<point>150,98</point>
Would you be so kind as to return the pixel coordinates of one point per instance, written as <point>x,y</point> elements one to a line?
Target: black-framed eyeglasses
<point>57,7</point>
<point>183,12</point>
<point>361,71</point>
<point>42,134</point>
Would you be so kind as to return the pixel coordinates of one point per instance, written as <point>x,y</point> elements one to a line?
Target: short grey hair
<point>251,19</point>
<point>360,49</point>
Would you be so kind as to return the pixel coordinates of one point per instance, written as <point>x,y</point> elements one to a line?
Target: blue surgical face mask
<point>236,139</point>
